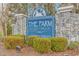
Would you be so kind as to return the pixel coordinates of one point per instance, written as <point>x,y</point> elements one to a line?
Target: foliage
<point>73,45</point>
<point>3,19</point>
<point>17,8</point>
<point>24,37</point>
<point>9,28</point>
<point>21,35</point>
<point>51,10</point>
<point>42,45</point>
<point>0,34</point>
<point>30,40</point>
<point>59,44</point>
<point>13,41</point>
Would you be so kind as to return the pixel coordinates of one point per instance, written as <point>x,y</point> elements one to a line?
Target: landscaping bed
<point>37,46</point>
<point>29,51</point>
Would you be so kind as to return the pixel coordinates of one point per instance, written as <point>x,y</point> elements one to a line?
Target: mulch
<point>29,51</point>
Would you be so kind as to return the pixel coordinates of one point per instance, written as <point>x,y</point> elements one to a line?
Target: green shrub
<point>73,45</point>
<point>59,44</point>
<point>20,35</point>
<point>42,45</point>
<point>0,34</point>
<point>30,40</point>
<point>13,41</point>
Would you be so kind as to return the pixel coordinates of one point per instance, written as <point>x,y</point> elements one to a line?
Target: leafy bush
<point>9,28</point>
<point>20,35</point>
<point>73,45</point>
<point>30,40</point>
<point>42,45</point>
<point>0,34</point>
<point>59,43</point>
<point>13,41</point>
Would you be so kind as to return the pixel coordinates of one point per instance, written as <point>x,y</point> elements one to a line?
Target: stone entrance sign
<point>43,26</point>
<point>40,24</point>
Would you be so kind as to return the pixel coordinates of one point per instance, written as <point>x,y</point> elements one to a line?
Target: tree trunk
<point>4,27</point>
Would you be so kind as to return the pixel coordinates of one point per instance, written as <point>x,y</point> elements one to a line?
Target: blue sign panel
<point>43,26</point>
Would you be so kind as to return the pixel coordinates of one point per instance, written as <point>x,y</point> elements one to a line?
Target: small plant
<point>42,45</point>
<point>59,44</point>
<point>13,41</point>
<point>73,45</point>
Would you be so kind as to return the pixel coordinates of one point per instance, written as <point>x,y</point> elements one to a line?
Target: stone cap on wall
<point>66,9</point>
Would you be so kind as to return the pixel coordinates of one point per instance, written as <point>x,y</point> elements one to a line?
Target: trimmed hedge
<point>31,39</point>
<point>59,44</point>
<point>73,45</point>
<point>42,45</point>
<point>13,41</point>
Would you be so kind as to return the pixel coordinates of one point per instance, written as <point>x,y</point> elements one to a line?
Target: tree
<point>7,17</point>
<point>50,8</point>
<point>17,9</point>
<point>3,19</point>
